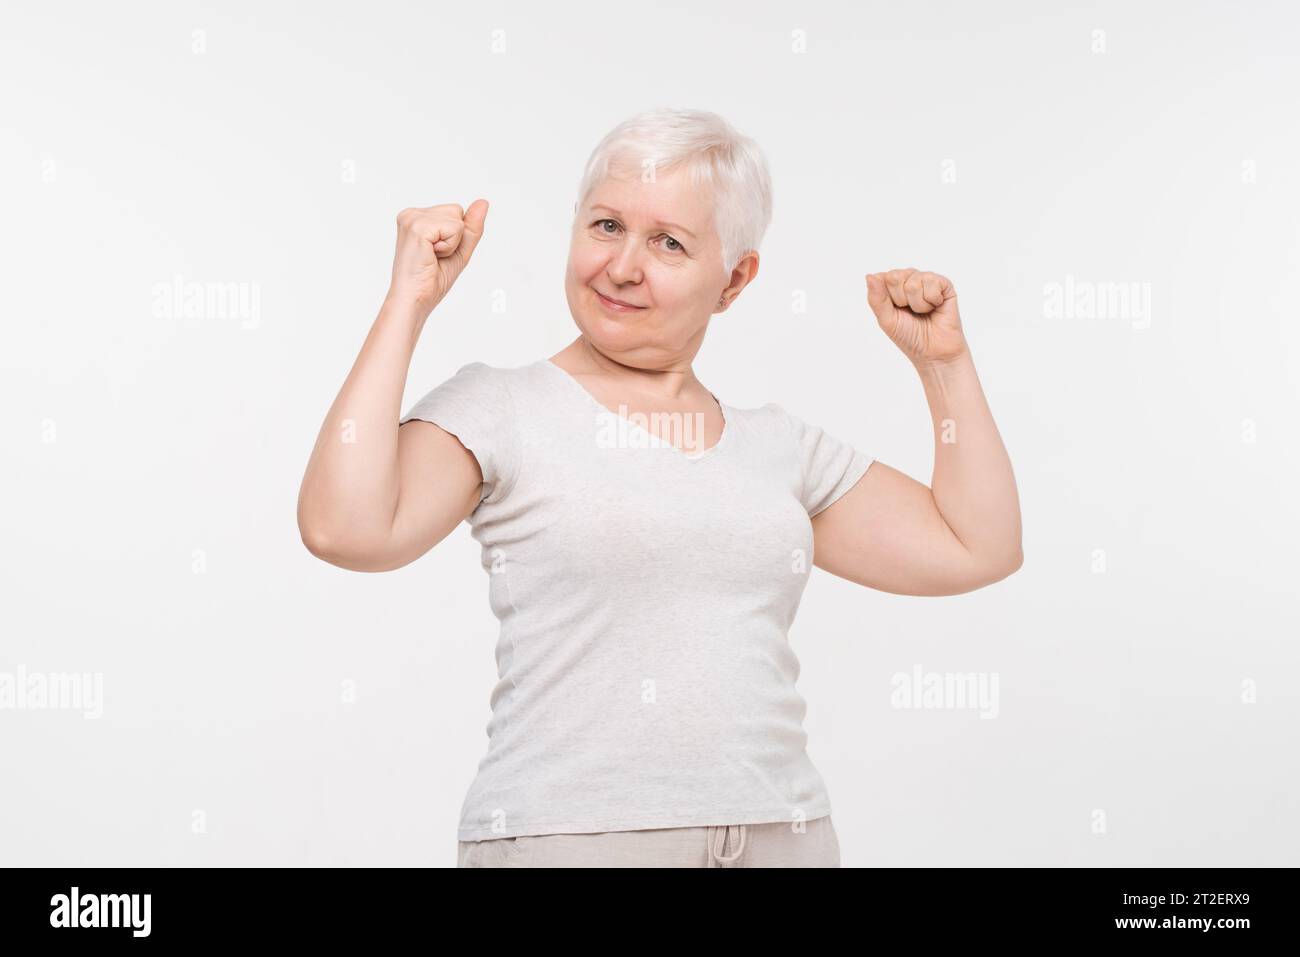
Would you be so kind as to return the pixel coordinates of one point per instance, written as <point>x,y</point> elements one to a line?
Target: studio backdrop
<point>198,225</point>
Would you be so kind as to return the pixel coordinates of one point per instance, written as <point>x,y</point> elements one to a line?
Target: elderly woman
<point>646,543</point>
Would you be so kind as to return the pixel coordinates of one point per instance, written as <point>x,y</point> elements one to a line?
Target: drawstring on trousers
<point>715,848</point>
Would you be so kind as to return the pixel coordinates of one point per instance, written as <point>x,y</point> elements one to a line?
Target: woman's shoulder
<point>495,377</point>
<point>774,421</point>
<point>768,421</point>
<point>487,389</point>
<point>768,415</point>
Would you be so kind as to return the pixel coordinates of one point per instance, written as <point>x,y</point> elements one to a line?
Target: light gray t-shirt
<point>645,594</point>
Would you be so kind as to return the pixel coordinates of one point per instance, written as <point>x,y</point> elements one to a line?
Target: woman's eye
<point>676,247</point>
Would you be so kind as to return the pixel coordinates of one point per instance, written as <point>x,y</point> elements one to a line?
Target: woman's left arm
<point>889,531</point>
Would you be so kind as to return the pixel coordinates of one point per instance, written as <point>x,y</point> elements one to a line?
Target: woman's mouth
<point>613,305</point>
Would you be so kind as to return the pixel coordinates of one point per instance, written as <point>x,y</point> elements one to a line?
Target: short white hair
<point>711,151</point>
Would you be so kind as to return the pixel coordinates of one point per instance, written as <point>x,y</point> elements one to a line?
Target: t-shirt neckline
<point>661,443</point>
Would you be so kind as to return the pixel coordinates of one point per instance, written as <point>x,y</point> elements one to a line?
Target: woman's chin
<point>614,334</point>
<point>616,324</point>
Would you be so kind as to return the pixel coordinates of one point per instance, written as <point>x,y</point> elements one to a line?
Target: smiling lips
<point>616,306</point>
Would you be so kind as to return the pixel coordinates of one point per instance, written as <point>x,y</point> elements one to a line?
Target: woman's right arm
<point>377,496</point>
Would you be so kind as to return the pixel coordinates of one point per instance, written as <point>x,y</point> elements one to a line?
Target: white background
<point>152,462</point>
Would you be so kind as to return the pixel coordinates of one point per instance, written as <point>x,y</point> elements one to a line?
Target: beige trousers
<point>777,844</point>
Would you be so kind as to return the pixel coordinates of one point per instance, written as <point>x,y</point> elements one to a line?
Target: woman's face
<point>654,247</point>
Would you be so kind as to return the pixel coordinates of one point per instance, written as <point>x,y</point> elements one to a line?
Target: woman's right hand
<point>434,245</point>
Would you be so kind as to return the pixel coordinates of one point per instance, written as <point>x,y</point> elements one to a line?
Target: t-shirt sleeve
<point>476,406</point>
<point>830,465</point>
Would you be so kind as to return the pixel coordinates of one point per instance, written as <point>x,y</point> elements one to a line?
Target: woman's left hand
<point>918,311</point>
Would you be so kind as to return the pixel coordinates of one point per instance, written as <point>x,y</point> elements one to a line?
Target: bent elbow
<point>354,554</point>
<point>1007,567</point>
<point>317,541</point>
<point>988,572</point>
<point>325,541</point>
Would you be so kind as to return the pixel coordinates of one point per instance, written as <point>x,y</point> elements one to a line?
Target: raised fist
<point>918,311</point>
<point>434,244</point>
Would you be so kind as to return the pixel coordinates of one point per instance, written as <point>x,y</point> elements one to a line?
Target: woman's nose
<point>624,266</point>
